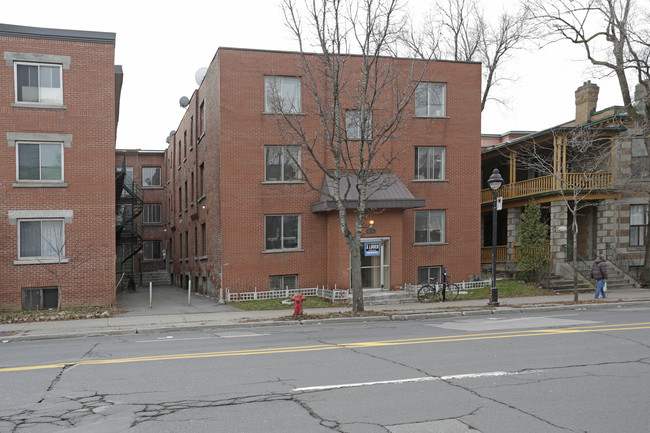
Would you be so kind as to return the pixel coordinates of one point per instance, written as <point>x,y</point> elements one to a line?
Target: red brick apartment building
<point>58,118</point>
<point>140,208</point>
<point>242,218</point>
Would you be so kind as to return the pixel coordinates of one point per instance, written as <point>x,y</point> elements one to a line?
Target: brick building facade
<point>58,120</point>
<point>241,218</point>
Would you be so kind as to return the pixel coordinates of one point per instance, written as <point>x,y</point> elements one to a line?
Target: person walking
<point>599,273</point>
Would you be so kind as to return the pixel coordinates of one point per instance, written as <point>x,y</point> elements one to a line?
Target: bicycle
<point>444,291</point>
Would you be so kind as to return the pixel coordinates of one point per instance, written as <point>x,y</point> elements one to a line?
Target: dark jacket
<point>599,269</point>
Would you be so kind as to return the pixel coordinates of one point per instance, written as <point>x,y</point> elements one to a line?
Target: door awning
<point>385,192</point>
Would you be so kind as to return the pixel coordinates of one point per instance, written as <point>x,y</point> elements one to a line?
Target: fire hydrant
<point>297,304</point>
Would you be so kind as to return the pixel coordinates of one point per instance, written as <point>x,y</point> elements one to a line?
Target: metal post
<point>150,292</point>
<point>494,292</point>
<point>189,291</point>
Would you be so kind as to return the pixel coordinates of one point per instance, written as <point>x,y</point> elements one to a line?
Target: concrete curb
<point>428,315</point>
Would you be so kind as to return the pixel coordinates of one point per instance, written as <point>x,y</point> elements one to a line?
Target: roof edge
<point>16,31</point>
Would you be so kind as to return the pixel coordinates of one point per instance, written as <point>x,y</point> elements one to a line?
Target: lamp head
<point>495,181</point>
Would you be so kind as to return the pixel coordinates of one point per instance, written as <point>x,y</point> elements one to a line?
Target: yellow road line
<point>359,345</point>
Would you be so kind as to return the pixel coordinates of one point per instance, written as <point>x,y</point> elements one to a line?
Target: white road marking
<point>496,323</point>
<point>224,335</point>
<point>414,380</point>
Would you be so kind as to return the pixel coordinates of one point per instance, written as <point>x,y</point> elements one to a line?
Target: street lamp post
<point>495,181</point>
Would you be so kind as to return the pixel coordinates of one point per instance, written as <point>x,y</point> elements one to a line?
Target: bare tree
<point>359,100</point>
<point>577,161</point>
<point>458,30</point>
<point>615,36</point>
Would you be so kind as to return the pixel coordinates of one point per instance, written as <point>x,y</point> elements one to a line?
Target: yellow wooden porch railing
<point>502,253</point>
<point>548,184</point>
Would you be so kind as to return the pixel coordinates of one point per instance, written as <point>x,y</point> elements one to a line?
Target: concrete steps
<point>158,278</point>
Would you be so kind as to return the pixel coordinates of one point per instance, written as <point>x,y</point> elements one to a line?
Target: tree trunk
<point>575,258</point>
<point>355,277</point>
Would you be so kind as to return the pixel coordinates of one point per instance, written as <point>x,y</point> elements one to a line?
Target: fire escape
<point>128,232</point>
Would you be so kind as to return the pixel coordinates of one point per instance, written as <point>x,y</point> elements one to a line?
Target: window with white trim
<point>430,100</point>
<point>41,239</point>
<point>152,250</point>
<point>151,176</point>
<point>356,127</point>
<point>282,95</point>
<point>429,226</point>
<point>283,282</point>
<point>282,163</point>
<point>152,213</point>
<point>429,163</point>
<point>638,224</point>
<point>39,162</point>
<point>39,83</point>
<point>282,232</point>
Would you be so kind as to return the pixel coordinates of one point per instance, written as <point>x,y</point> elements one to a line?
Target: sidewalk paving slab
<point>170,312</point>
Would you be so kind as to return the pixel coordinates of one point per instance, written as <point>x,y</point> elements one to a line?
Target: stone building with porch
<point>611,187</point>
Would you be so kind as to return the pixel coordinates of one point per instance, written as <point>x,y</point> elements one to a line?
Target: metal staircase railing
<point>626,265</point>
<point>582,266</point>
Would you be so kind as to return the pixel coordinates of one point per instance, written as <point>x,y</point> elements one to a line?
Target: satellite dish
<point>184,101</point>
<point>200,75</point>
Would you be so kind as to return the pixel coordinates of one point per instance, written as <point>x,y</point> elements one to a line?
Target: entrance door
<point>375,263</point>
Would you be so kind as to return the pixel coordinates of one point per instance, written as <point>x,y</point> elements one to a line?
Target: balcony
<point>551,184</point>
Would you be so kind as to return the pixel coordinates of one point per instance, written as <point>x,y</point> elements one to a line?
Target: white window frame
<point>284,160</point>
<point>353,125</point>
<point>434,216</point>
<point>638,224</point>
<point>432,153</point>
<point>428,109</point>
<point>58,101</point>
<point>58,250</point>
<point>436,270</point>
<point>147,251</point>
<point>146,176</point>
<point>276,88</point>
<point>281,237</point>
<point>40,165</point>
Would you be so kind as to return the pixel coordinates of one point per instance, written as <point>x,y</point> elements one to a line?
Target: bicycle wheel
<point>451,292</point>
<point>426,293</point>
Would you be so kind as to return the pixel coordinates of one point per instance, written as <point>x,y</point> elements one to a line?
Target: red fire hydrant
<point>297,304</point>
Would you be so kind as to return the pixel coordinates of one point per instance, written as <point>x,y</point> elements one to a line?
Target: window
<point>282,232</point>
<point>41,239</point>
<point>39,83</point>
<point>282,95</point>
<point>37,298</point>
<point>187,244</point>
<point>202,118</point>
<point>638,224</point>
<point>151,176</point>
<point>282,282</point>
<point>429,163</point>
<point>152,250</point>
<point>428,273</point>
<point>354,125</point>
<point>282,163</point>
<point>429,226</point>
<point>201,180</point>
<point>430,100</point>
<point>152,213</point>
<point>40,161</point>
<point>204,244</point>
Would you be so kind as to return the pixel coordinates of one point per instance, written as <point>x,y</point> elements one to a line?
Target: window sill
<point>39,185</point>
<point>273,113</point>
<point>156,224</point>
<point>48,261</point>
<point>191,148</point>
<point>430,180</point>
<point>431,117</point>
<point>37,105</point>
<point>282,182</point>
<point>202,258</point>
<point>292,250</point>
<point>152,187</point>
<point>429,244</point>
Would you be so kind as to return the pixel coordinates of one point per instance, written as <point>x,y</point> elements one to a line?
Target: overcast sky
<point>161,44</point>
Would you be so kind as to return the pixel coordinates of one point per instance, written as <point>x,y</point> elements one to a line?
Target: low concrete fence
<point>334,295</point>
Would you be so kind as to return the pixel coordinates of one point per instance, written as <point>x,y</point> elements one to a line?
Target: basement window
<point>39,298</point>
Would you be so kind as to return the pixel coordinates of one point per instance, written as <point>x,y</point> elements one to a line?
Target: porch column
<point>559,218</point>
<point>514,220</point>
<point>606,226</point>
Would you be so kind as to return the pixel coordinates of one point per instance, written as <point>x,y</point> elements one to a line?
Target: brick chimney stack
<point>586,100</point>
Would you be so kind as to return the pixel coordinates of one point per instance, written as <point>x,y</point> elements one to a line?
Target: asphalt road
<point>578,371</point>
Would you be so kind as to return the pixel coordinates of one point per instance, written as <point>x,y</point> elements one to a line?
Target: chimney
<point>586,100</point>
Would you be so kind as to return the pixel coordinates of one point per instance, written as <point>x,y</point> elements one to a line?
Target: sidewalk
<point>170,312</point>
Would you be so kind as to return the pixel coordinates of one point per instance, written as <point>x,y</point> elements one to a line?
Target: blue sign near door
<point>371,249</point>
